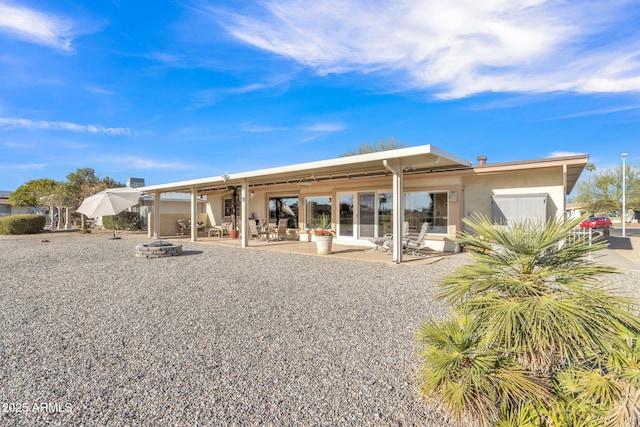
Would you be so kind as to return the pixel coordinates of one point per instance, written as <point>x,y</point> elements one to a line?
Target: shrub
<point>22,224</point>
<point>535,338</point>
<point>123,221</point>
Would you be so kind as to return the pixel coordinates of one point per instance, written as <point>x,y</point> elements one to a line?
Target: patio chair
<point>413,246</point>
<point>280,233</point>
<point>184,226</point>
<point>386,242</point>
<point>252,229</point>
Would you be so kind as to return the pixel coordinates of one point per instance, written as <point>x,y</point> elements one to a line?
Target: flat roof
<point>425,157</point>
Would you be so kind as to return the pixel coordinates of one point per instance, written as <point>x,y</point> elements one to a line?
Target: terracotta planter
<point>234,234</point>
<point>323,244</point>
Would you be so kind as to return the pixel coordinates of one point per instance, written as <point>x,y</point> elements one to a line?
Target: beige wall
<point>478,189</point>
<point>169,222</point>
<point>468,193</point>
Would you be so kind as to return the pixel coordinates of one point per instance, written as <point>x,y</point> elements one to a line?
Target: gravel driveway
<point>93,335</point>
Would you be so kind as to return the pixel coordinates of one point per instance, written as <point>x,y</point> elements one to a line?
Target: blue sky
<point>175,90</point>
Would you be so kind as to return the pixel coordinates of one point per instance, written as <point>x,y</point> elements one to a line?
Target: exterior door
<point>366,215</point>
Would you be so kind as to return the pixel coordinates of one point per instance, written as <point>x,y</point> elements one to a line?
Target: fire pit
<point>158,249</point>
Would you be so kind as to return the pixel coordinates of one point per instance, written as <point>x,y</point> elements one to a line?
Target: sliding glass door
<point>347,215</point>
<point>367,214</point>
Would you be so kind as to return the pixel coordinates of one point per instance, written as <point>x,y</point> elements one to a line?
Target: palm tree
<point>535,337</point>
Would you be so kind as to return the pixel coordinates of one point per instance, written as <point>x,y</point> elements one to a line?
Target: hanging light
<point>252,193</point>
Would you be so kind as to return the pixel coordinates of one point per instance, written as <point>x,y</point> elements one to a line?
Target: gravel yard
<point>218,336</point>
<point>93,335</point>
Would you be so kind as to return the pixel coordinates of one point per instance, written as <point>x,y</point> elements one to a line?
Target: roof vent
<point>482,160</point>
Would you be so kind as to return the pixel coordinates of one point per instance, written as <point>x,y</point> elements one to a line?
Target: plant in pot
<point>234,233</point>
<point>324,234</point>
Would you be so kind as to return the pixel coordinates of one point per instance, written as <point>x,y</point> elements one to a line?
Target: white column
<point>156,215</point>
<point>624,194</point>
<point>59,225</point>
<point>244,214</point>
<point>395,166</point>
<point>67,218</point>
<point>564,189</point>
<point>194,214</point>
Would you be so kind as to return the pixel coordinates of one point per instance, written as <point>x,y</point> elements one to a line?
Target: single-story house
<point>6,209</point>
<point>370,195</point>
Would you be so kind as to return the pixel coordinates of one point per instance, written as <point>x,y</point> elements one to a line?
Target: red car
<point>596,222</point>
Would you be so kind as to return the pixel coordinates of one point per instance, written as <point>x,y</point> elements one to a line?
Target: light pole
<point>624,194</point>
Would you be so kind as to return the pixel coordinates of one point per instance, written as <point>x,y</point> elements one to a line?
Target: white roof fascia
<point>402,153</point>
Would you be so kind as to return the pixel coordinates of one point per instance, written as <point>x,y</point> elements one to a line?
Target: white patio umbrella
<point>109,202</point>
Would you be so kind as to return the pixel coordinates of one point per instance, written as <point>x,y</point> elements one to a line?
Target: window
<point>428,207</point>
<point>284,208</point>
<point>228,207</point>
<point>345,222</point>
<point>314,208</point>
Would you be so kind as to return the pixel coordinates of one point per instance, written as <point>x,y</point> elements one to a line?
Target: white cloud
<point>325,127</point>
<point>23,166</point>
<point>260,129</point>
<point>456,47</point>
<point>36,27</point>
<point>590,113</point>
<point>554,154</point>
<point>100,91</point>
<point>138,163</point>
<point>74,127</point>
<point>12,144</point>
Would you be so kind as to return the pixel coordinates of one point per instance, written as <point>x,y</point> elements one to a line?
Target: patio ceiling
<point>413,159</point>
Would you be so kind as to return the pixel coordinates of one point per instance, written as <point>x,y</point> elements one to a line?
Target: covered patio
<point>391,166</point>
<point>343,251</point>
<point>371,195</point>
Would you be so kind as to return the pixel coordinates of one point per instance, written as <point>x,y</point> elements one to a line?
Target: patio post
<point>156,215</point>
<point>395,166</point>
<point>244,214</point>
<point>194,214</point>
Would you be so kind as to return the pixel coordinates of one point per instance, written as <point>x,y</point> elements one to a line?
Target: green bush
<point>123,221</point>
<point>536,336</point>
<point>22,224</point>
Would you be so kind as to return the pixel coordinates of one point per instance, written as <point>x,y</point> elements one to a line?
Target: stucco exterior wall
<point>169,223</point>
<point>478,189</point>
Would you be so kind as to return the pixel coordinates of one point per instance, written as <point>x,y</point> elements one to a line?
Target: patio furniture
<point>280,233</point>
<point>413,246</point>
<point>255,232</point>
<point>183,226</point>
<point>386,242</point>
<point>220,230</point>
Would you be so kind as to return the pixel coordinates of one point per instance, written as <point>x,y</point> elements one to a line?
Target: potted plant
<point>324,234</point>
<point>234,233</point>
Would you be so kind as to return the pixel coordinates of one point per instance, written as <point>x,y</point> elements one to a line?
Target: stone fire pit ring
<point>158,249</point>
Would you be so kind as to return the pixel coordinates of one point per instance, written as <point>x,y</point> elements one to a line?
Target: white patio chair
<point>413,246</point>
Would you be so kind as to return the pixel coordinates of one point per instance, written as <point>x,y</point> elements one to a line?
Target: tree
<point>365,148</point>
<point>34,194</point>
<point>535,338</point>
<point>84,183</point>
<point>603,191</point>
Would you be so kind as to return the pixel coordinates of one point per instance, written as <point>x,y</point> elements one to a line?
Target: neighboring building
<point>361,193</point>
<point>5,207</point>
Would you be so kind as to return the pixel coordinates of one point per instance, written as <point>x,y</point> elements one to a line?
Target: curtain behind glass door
<point>366,215</point>
<point>346,215</point>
